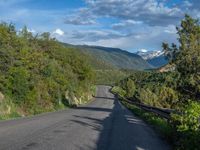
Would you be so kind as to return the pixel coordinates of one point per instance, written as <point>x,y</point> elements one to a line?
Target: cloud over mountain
<point>127,24</point>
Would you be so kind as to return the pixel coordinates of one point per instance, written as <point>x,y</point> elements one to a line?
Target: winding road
<point>103,124</point>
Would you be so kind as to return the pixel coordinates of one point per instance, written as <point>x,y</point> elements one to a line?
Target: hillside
<point>114,57</point>
<point>38,74</point>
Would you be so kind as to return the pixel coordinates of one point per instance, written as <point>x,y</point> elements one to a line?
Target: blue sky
<point>128,24</point>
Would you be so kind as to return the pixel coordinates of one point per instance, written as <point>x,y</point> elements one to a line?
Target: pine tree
<point>188,60</point>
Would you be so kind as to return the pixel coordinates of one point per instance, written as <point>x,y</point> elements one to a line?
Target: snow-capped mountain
<point>146,55</point>
<point>154,58</point>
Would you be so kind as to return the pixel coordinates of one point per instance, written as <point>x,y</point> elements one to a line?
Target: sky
<point>131,25</point>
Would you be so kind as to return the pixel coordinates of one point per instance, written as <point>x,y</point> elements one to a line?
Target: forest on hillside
<point>38,74</point>
<point>178,88</point>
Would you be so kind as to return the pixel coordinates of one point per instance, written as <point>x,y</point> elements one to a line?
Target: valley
<point>55,95</point>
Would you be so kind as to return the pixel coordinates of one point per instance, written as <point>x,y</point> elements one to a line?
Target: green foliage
<point>36,71</point>
<point>173,89</point>
<point>130,88</point>
<point>169,97</point>
<point>188,62</point>
<point>18,84</point>
<point>188,126</point>
<point>119,91</point>
<point>148,97</point>
<point>109,77</point>
<point>186,57</point>
<point>8,109</point>
<point>171,53</point>
<point>152,88</point>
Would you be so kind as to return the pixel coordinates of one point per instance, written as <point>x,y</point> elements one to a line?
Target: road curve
<point>104,124</point>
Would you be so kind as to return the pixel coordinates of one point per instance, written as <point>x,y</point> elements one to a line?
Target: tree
<point>166,49</point>
<point>188,61</point>
<point>25,33</point>
<point>46,36</point>
<point>189,37</point>
<point>18,83</point>
<point>186,57</point>
<point>188,126</point>
<point>170,52</point>
<point>130,88</point>
<point>36,72</point>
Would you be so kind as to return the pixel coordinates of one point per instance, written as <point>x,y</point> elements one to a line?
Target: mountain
<point>146,55</point>
<point>115,57</point>
<point>158,62</point>
<point>155,58</point>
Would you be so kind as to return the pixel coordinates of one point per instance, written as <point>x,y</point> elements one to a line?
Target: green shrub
<point>8,109</point>
<point>145,95</point>
<point>18,84</point>
<point>37,71</point>
<point>130,88</point>
<point>119,91</point>
<point>188,126</point>
<point>168,97</point>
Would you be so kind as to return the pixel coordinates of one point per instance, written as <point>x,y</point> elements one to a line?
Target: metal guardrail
<point>161,112</point>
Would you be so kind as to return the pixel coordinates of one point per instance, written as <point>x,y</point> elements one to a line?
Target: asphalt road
<point>104,124</point>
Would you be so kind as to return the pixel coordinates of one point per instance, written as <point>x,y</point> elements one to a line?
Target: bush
<point>145,95</point>
<point>36,71</point>
<point>8,109</point>
<point>188,127</point>
<point>130,88</point>
<point>18,84</point>
<point>119,91</point>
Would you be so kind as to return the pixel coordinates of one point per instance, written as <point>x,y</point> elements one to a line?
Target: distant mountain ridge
<point>146,55</point>
<point>155,58</point>
<point>116,57</point>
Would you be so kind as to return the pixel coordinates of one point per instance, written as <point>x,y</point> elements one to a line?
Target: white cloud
<point>150,39</point>
<point>79,21</point>
<point>187,4</point>
<point>170,29</point>
<point>31,30</point>
<point>59,32</point>
<point>95,35</point>
<point>149,11</point>
<point>82,17</point>
<point>143,50</point>
<point>126,23</point>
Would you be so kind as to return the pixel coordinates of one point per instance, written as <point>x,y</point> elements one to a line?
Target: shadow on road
<point>94,109</point>
<point>120,130</point>
<point>107,98</point>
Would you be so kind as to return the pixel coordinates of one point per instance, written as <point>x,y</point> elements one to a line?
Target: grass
<point>10,116</point>
<point>8,110</point>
